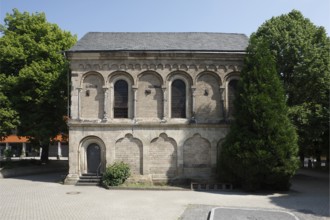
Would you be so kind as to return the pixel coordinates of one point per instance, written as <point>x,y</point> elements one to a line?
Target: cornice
<point>127,55</point>
<point>117,66</point>
<point>81,124</point>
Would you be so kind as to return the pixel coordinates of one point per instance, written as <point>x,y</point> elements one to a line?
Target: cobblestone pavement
<point>43,197</point>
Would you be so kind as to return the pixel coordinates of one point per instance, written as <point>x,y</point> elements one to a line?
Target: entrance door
<point>93,158</point>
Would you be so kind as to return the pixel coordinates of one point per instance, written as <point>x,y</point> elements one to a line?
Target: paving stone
<point>44,197</point>
<point>220,213</point>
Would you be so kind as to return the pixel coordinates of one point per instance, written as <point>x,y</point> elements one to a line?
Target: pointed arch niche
<point>197,157</point>
<point>129,150</point>
<point>163,157</point>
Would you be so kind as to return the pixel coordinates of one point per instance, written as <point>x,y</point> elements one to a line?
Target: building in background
<point>22,148</point>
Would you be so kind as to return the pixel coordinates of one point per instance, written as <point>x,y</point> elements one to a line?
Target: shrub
<point>8,153</point>
<point>116,174</point>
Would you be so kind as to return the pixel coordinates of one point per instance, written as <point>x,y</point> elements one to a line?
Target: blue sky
<point>230,16</point>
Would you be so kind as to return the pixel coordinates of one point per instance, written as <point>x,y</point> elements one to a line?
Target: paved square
<point>44,197</point>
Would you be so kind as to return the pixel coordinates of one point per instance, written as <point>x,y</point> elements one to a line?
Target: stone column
<point>8,147</point>
<point>134,101</point>
<point>59,150</point>
<point>164,114</point>
<point>23,152</point>
<point>79,104</point>
<point>222,102</point>
<point>193,104</point>
<point>112,103</point>
<point>105,106</point>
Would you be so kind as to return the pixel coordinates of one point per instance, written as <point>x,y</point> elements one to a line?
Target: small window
<point>232,87</point>
<point>178,99</point>
<point>121,99</point>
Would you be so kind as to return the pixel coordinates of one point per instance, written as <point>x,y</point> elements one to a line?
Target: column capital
<point>193,90</point>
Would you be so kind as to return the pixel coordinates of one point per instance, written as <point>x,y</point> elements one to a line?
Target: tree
<point>31,59</point>
<point>8,116</point>
<point>260,150</point>
<point>302,57</point>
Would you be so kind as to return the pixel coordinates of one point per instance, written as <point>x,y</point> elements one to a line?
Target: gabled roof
<point>161,41</point>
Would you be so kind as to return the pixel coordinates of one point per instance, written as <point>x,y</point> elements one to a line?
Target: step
<point>90,177</point>
<point>91,174</point>
<point>87,184</point>
<point>89,180</point>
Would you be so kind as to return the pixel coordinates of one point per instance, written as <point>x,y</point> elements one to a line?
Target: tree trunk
<point>44,153</point>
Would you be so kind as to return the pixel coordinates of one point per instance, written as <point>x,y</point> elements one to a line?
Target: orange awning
<point>24,139</point>
<point>14,139</point>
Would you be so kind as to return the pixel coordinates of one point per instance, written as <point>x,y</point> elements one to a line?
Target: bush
<point>8,153</point>
<point>116,174</point>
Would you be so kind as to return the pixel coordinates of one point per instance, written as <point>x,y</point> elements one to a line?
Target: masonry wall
<point>156,145</point>
<point>154,153</point>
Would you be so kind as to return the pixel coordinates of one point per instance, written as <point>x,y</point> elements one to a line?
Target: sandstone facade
<point>164,112</point>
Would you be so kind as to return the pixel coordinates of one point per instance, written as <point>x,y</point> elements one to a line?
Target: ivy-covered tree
<point>302,57</point>
<point>260,150</point>
<point>31,59</point>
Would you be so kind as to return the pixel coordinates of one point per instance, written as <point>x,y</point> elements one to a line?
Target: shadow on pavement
<point>54,171</point>
<point>309,194</point>
<point>54,177</point>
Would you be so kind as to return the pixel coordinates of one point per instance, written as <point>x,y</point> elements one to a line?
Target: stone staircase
<point>89,179</point>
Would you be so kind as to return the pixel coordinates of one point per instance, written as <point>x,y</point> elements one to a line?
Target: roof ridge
<point>162,32</point>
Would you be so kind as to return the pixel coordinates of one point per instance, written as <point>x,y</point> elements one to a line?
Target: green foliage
<point>31,59</point>
<point>301,52</point>
<point>116,174</point>
<point>9,119</point>
<point>8,153</point>
<point>260,150</point>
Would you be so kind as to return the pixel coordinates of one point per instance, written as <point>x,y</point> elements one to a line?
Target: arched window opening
<point>178,99</point>
<point>232,88</point>
<point>121,99</point>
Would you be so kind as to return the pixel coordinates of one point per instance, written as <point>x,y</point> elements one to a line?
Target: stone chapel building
<point>160,102</point>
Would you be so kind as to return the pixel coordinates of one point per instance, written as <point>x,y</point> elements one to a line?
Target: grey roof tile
<point>161,41</point>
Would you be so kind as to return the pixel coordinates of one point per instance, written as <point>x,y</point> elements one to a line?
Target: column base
<point>71,179</point>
